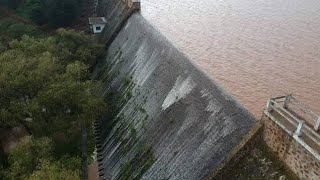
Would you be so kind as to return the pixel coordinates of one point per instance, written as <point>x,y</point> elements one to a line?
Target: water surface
<point>253,48</point>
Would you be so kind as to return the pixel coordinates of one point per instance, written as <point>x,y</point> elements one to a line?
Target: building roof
<point>97,20</point>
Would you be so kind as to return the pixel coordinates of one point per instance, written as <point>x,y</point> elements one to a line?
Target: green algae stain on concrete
<point>124,132</point>
<point>136,166</point>
<point>153,122</point>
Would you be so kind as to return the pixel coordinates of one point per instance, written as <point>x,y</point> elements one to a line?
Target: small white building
<point>97,24</point>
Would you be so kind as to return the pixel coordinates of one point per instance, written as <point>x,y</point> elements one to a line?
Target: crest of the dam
<point>168,120</point>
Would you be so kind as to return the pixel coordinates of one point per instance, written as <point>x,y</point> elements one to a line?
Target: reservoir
<point>255,49</point>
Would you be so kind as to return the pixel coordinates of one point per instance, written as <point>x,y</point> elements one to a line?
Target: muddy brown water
<point>253,48</point>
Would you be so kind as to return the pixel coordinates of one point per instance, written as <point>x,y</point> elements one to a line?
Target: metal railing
<point>300,129</point>
<point>281,104</point>
<point>284,103</point>
<point>312,116</point>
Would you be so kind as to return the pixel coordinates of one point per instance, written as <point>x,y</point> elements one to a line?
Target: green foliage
<point>77,46</point>
<point>2,47</point>
<point>11,3</point>
<point>63,104</point>
<point>44,77</point>
<point>63,12</point>
<point>9,29</point>
<point>53,171</point>
<point>22,78</point>
<point>34,10</point>
<point>33,159</point>
<point>56,13</point>
<point>45,86</point>
<point>3,162</point>
<point>16,31</point>
<point>25,157</point>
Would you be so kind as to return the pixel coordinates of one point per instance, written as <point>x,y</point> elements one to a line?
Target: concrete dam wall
<point>116,13</point>
<point>167,119</point>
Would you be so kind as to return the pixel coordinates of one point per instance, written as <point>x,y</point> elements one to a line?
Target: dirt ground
<point>93,171</point>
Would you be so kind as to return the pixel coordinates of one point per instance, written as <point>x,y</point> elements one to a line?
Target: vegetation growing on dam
<point>136,166</point>
<point>124,126</point>
<point>46,89</point>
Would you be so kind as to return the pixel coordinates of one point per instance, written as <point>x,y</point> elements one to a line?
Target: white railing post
<point>269,105</point>
<point>286,101</point>
<point>316,126</point>
<point>299,128</point>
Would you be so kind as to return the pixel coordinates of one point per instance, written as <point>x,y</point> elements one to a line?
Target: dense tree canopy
<point>56,13</point>
<point>63,12</point>
<point>35,10</point>
<point>11,3</point>
<point>9,30</point>
<point>34,159</point>
<point>45,87</point>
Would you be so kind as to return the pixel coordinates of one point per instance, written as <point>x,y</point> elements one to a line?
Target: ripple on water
<point>255,49</point>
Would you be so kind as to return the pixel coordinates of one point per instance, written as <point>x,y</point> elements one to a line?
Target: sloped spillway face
<point>169,121</point>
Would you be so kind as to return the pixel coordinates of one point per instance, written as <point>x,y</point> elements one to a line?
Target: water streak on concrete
<point>173,122</point>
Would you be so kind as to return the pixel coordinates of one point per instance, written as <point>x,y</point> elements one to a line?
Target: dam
<point>171,121</point>
<point>168,119</point>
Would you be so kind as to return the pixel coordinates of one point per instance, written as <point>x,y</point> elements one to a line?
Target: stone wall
<point>295,156</point>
